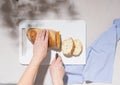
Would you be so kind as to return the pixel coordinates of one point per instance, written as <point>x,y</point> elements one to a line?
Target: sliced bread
<point>78,47</point>
<point>67,47</point>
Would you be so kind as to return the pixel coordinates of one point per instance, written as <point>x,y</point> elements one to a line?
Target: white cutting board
<point>68,28</point>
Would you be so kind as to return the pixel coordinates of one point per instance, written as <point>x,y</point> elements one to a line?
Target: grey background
<point>98,15</point>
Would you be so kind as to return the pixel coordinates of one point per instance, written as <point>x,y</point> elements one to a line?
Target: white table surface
<point>98,15</point>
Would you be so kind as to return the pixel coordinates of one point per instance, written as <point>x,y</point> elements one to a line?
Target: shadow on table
<point>43,70</point>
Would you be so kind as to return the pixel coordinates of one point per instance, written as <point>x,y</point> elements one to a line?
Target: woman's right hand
<point>57,71</point>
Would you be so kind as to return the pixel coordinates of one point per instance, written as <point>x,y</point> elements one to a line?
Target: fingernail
<point>56,55</point>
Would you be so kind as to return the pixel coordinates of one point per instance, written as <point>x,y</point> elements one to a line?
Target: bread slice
<point>54,38</point>
<point>78,47</point>
<point>58,40</point>
<point>71,47</point>
<point>68,47</point>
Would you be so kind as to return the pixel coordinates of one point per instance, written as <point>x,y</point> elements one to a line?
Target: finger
<point>43,35</point>
<point>40,33</point>
<point>38,36</point>
<point>46,36</point>
<point>60,62</point>
<point>59,59</point>
<point>36,39</point>
<point>60,66</point>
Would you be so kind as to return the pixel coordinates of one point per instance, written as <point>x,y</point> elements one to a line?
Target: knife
<point>56,55</point>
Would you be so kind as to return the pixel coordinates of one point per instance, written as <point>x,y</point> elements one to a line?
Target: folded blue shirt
<point>99,60</point>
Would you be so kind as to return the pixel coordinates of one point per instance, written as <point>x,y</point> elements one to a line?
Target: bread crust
<point>32,33</point>
<point>52,39</point>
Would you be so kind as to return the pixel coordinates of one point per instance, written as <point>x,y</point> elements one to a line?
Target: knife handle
<point>56,55</point>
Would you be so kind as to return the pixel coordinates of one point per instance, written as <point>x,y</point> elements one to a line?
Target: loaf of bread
<point>71,47</point>
<point>54,38</point>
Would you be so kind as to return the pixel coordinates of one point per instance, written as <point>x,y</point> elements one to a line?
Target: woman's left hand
<point>40,46</point>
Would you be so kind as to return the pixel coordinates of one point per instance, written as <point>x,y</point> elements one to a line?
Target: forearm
<point>30,73</point>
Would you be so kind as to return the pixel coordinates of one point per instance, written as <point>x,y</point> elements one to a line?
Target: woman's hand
<point>57,71</point>
<point>39,53</point>
<point>40,46</point>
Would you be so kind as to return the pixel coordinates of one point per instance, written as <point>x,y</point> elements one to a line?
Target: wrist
<point>36,61</point>
<point>58,82</point>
